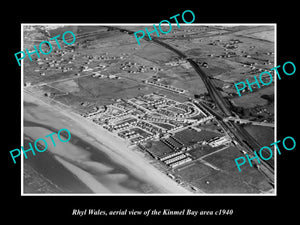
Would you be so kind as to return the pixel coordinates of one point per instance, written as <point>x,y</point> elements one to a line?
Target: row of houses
<point>165,86</point>
<point>150,127</point>
<point>176,159</point>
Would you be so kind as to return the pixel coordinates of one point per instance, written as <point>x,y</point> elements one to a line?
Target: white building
<point>219,141</point>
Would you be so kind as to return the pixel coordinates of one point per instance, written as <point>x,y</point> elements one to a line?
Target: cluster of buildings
<point>150,118</point>
<point>180,62</point>
<point>229,47</point>
<point>151,114</point>
<point>104,57</point>
<point>176,159</point>
<point>128,134</point>
<point>165,86</point>
<point>123,126</point>
<point>231,44</point>
<point>96,64</point>
<point>100,75</point>
<point>150,127</point>
<point>172,143</point>
<point>55,62</point>
<point>61,61</point>
<point>180,154</point>
<point>133,67</point>
<point>215,142</point>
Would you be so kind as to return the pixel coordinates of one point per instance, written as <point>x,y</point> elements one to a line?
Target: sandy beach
<point>81,163</point>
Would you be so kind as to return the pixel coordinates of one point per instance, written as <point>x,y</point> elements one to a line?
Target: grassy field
<point>223,183</point>
<point>203,150</point>
<point>225,161</point>
<point>158,148</point>
<point>210,180</point>
<point>189,136</point>
<point>195,171</point>
<point>252,99</point>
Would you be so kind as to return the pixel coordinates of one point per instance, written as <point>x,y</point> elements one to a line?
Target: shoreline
<point>115,148</point>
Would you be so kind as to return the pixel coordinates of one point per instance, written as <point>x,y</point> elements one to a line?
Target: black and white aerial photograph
<point>132,114</point>
<point>162,116</point>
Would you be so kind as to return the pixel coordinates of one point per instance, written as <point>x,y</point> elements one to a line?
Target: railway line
<point>234,130</point>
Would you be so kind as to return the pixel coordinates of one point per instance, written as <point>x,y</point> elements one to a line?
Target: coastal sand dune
<point>111,146</point>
